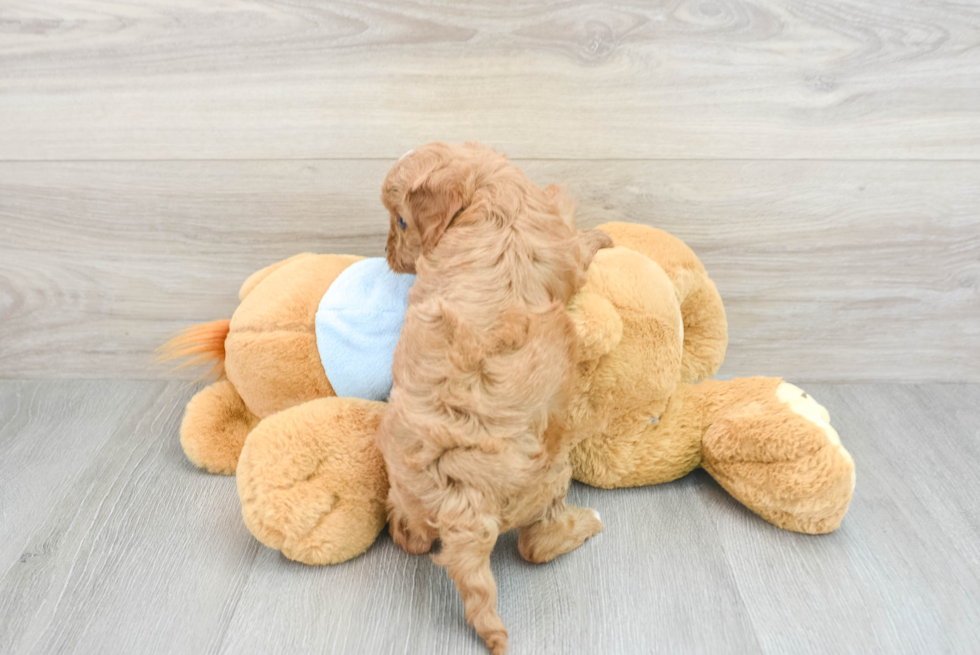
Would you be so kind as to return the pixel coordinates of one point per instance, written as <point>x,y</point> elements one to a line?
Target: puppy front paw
<point>545,540</point>
<point>595,240</point>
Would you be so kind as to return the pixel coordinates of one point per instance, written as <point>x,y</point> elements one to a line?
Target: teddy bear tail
<point>201,344</point>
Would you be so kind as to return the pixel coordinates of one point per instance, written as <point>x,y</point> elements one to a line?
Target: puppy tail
<point>201,344</point>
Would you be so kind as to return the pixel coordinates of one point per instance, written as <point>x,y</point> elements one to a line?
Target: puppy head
<point>423,192</point>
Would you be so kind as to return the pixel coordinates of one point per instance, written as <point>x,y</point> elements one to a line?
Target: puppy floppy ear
<point>435,198</point>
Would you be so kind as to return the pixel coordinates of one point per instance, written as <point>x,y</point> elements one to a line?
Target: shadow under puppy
<point>485,360</point>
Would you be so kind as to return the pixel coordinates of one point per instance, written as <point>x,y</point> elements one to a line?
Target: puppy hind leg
<point>415,540</point>
<point>466,555</point>
<point>563,529</point>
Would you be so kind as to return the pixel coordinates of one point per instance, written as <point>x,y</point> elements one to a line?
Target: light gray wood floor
<point>113,543</point>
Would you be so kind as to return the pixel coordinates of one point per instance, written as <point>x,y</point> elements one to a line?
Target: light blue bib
<point>358,325</point>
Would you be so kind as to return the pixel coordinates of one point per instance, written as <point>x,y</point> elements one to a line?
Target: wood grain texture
<point>613,595</point>
<point>90,79</point>
<point>34,420</point>
<point>128,549</point>
<point>904,564</point>
<point>829,270</point>
<point>133,551</point>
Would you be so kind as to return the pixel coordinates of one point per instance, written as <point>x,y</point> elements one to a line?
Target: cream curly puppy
<point>486,356</point>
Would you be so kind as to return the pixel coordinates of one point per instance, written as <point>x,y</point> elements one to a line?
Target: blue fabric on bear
<point>358,324</point>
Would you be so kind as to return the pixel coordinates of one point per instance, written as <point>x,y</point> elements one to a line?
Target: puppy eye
<point>402,224</point>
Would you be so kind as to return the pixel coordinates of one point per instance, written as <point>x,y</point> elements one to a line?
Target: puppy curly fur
<point>486,356</point>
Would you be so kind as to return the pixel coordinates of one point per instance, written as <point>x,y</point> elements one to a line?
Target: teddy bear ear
<point>705,327</point>
<point>597,323</point>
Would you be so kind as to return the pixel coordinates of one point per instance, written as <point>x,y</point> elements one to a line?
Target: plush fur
<point>485,362</point>
<point>292,503</point>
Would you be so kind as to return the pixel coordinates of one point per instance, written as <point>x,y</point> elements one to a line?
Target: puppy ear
<point>435,198</point>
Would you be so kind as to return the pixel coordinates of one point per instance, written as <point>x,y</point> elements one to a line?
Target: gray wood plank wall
<point>822,158</point>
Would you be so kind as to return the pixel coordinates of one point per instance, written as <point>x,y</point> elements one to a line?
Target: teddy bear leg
<point>778,454</point>
<point>214,428</point>
<point>312,481</point>
<point>562,530</point>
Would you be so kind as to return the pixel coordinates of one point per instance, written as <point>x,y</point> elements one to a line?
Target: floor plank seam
<point>255,547</point>
<point>730,569</point>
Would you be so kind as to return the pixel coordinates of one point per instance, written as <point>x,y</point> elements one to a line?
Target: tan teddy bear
<point>313,331</point>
